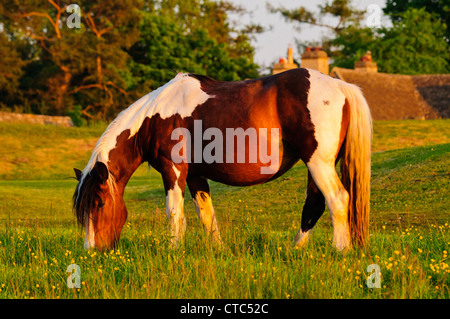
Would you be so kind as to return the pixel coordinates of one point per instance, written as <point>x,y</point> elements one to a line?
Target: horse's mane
<point>202,78</point>
<point>85,196</point>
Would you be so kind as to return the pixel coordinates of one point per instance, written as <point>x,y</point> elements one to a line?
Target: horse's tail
<point>355,164</point>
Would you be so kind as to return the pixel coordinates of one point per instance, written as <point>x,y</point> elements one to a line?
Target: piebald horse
<point>311,116</point>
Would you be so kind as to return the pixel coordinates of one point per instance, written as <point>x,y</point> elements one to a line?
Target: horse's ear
<point>102,171</point>
<point>77,173</point>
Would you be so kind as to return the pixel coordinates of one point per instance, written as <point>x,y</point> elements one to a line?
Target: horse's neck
<point>126,157</point>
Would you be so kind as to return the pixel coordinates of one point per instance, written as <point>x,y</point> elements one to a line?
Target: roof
<point>397,97</point>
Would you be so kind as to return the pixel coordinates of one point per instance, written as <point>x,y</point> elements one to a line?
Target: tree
<point>10,69</point>
<point>111,29</point>
<point>350,45</point>
<point>104,64</point>
<point>164,48</point>
<point>441,9</point>
<point>342,16</point>
<point>39,24</point>
<point>76,66</point>
<point>414,45</point>
<point>342,12</point>
<point>213,17</point>
<point>203,43</point>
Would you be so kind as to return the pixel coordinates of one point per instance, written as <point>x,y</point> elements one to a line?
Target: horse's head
<point>99,207</point>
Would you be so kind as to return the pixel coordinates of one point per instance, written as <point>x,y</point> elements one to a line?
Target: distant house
<point>283,64</point>
<point>390,96</point>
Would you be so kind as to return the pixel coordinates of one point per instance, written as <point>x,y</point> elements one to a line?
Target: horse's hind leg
<point>337,198</point>
<point>199,188</point>
<point>312,210</point>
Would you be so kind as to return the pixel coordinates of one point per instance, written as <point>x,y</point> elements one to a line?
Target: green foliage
<point>350,45</point>
<point>341,12</point>
<point>123,49</point>
<point>67,66</point>
<point>165,47</point>
<point>163,50</point>
<point>413,45</point>
<point>441,9</point>
<point>75,115</point>
<point>10,71</point>
<point>417,43</point>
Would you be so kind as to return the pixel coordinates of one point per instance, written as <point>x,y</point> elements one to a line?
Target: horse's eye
<point>101,204</point>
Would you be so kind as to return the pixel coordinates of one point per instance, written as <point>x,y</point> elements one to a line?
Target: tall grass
<point>256,263</point>
<point>409,234</point>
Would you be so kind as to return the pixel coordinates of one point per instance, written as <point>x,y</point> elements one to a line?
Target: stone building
<point>315,58</point>
<point>390,96</point>
<point>283,64</point>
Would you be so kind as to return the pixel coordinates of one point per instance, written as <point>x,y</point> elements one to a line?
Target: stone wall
<point>35,119</point>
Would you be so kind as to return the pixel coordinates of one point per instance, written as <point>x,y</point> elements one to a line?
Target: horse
<point>311,117</point>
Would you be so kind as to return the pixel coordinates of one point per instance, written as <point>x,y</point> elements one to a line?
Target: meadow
<point>409,227</point>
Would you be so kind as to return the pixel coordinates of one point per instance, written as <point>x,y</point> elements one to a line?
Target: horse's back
<point>304,106</point>
<point>275,102</point>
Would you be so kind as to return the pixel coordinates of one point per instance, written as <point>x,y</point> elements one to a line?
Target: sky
<point>273,44</point>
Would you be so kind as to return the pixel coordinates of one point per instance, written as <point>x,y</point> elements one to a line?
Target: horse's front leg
<point>174,178</point>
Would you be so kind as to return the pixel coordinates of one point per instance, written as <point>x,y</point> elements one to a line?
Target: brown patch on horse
<point>344,126</point>
<point>258,103</point>
<point>156,135</point>
<point>293,108</point>
<point>152,143</point>
<point>242,105</point>
<point>125,158</point>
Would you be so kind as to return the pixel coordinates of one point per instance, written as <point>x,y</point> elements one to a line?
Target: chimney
<point>315,58</point>
<point>290,55</point>
<point>284,65</point>
<point>366,64</point>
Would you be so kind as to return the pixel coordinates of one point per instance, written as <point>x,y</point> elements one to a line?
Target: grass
<point>44,152</point>
<point>410,228</point>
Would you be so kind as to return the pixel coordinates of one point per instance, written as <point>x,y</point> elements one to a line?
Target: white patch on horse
<point>176,171</point>
<point>174,201</point>
<point>327,126</point>
<point>89,238</point>
<point>326,118</point>
<point>179,96</point>
<point>302,238</point>
<point>174,210</point>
